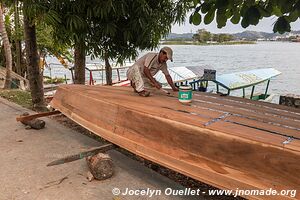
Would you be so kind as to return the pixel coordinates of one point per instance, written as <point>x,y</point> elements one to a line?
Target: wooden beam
<point>38,115</point>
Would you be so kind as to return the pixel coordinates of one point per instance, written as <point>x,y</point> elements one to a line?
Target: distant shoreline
<point>206,44</point>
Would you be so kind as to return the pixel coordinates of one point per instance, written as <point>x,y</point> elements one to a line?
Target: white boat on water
<point>198,79</point>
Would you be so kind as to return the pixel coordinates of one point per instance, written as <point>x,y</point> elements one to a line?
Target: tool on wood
<point>84,154</point>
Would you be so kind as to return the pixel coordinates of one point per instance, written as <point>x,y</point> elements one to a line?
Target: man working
<point>142,71</point>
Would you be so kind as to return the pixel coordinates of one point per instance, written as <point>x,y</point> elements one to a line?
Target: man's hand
<point>170,81</point>
<point>157,85</point>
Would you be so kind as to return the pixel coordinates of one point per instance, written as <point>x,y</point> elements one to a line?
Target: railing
<point>119,72</point>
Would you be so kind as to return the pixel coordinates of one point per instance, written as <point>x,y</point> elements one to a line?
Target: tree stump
<point>101,166</point>
<point>34,123</point>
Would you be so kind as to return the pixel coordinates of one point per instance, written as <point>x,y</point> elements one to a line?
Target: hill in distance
<point>250,35</point>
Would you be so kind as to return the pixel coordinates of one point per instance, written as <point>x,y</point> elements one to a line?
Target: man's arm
<point>170,81</point>
<point>150,77</point>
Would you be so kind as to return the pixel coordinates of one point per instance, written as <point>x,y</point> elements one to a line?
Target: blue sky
<point>265,25</point>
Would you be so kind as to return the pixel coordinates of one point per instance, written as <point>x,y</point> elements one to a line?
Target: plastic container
<point>185,94</point>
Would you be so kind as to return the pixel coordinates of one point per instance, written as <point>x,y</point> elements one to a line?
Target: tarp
<point>245,79</point>
<point>180,74</point>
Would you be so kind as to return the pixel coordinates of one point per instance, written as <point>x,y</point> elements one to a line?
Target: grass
<point>19,97</point>
<point>49,80</point>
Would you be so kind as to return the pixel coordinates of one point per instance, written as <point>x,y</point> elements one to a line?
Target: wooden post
<point>100,165</point>
<point>28,117</point>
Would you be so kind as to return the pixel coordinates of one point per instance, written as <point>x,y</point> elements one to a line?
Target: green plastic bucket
<point>185,94</point>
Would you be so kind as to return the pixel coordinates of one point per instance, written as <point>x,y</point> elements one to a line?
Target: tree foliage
<point>246,12</point>
<point>112,29</point>
<point>204,36</point>
<point>117,28</point>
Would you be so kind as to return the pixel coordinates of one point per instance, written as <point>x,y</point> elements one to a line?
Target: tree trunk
<point>7,51</point>
<point>17,40</point>
<point>108,71</point>
<point>33,70</point>
<point>79,55</point>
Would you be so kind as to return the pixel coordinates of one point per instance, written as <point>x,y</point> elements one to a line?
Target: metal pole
<point>71,69</point>
<point>266,92</point>
<point>252,92</point>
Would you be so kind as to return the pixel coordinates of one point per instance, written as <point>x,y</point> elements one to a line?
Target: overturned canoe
<point>227,142</point>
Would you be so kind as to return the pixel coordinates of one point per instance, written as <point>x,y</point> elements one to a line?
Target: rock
<point>35,123</point>
<point>101,166</point>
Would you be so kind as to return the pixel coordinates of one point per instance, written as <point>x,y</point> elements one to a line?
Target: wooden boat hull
<point>223,141</point>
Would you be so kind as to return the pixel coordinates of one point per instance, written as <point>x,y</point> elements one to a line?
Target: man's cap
<point>169,52</point>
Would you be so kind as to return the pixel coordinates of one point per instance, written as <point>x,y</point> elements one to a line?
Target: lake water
<point>283,56</point>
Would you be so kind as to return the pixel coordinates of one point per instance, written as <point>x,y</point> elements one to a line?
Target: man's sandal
<point>144,93</point>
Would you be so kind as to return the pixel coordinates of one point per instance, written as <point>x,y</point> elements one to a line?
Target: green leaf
<point>196,2</point>
<point>249,3</point>
<point>282,25</point>
<point>293,16</point>
<point>297,6</point>
<point>236,18</point>
<point>269,7</point>
<point>264,12</point>
<point>228,13</point>
<point>245,22</point>
<point>205,7</point>
<point>277,11</point>
<point>209,17</point>
<point>222,3</point>
<point>285,6</point>
<point>244,9</point>
<point>196,18</point>
<point>253,15</point>
<point>221,18</point>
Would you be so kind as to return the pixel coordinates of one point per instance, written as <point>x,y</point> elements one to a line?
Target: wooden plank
<point>240,100</point>
<point>272,129</point>
<point>266,108</point>
<point>223,154</point>
<point>248,113</point>
<point>38,115</point>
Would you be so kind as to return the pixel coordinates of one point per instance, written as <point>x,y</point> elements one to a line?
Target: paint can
<point>185,94</point>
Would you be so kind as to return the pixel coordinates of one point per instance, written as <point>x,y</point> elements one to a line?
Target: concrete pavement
<point>25,154</point>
